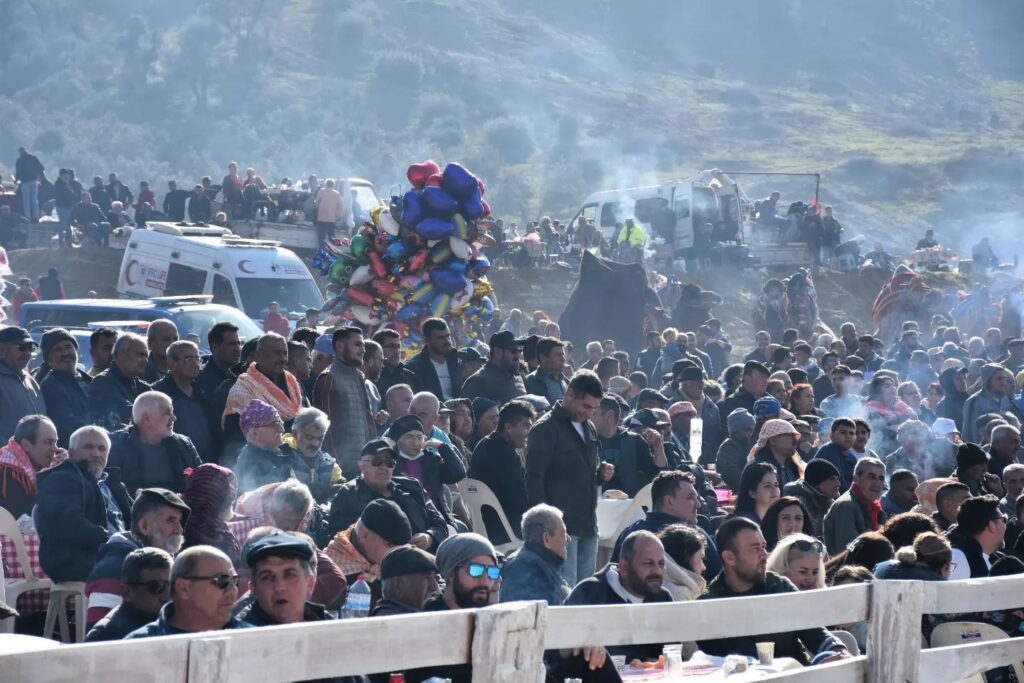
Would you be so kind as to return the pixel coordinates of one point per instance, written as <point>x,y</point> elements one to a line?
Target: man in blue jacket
<point>64,385</point>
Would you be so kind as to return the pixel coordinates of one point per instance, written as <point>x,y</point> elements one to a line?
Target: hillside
<point>912,111</point>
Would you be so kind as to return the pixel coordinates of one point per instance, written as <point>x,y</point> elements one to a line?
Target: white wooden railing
<point>505,643</point>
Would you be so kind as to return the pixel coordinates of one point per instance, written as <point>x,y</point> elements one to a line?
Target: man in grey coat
<point>19,393</point>
<point>995,395</point>
<point>859,509</point>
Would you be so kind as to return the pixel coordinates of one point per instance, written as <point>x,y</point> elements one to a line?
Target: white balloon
<point>387,222</point>
<point>364,315</point>
<point>361,275</point>
<point>459,248</point>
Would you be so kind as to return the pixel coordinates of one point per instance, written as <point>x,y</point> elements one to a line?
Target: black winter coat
<point>562,469</point>
<point>72,519</point>
<point>66,402</point>
<point>498,465</point>
<point>111,395</point>
<point>425,376</point>
<point>355,495</point>
<point>126,454</point>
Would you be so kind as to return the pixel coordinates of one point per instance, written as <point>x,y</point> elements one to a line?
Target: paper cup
<point>766,653</point>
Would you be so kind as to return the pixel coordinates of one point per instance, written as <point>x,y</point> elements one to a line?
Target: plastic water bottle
<point>357,604</point>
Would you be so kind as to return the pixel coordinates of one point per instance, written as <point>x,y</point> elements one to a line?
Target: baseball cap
<point>645,418</point>
<point>15,335</point>
<point>505,340</point>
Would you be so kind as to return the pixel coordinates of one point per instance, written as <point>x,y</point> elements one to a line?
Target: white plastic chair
<point>16,587</point>
<point>57,610</point>
<point>478,495</point>
<point>636,511</point>
<point>963,632</point>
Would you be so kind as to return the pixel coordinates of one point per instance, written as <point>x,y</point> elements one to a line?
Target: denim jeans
<point>30,199</point>
<point>581,559</point>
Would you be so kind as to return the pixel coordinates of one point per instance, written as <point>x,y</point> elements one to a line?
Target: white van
<point>173,260</point>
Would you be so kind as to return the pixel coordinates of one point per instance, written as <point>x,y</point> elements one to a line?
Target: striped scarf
<point>254,384</point>
<point>349,560</point>
<point>16,464</point>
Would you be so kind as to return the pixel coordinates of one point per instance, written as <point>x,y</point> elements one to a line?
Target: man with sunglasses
<point>203,590</point>
<point>376,481</point>
<point>20,395</point>
<point>977,537</point>
<point>498,380</point>
<point>145,588</point>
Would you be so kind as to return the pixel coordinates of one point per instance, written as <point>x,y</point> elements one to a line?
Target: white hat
<point>944,427</point>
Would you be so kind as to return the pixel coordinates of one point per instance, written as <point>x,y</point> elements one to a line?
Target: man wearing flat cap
<point>498,380</point>
<point>281,581</point>
<point>753,385</point>
<point>407,577</point>
<point>63,383</point>
<point>20,395</point>
<point>691,388</point>
<point>652,398</point>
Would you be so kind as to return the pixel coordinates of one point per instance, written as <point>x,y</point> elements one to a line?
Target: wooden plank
<point>350,646</point>
<point>974,595</point>
<point>508,643</point>
<point>208,660</point>
<point>894,631</point>
<point>960,661</point>
<point>151,660</point>
<point>704,619</point>
<point>846,671</point>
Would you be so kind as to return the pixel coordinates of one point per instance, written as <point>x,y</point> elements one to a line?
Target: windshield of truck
<point>199,320</point>
<point>294,296</point>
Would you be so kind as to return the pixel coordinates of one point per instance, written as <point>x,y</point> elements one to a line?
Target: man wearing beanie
<point>407,575</point>
<point>972,470</point>
<point>838,450</point>
<point>63,385</point>
<point>818,488</point>
<point>360,548</point>
<point>732,454</point>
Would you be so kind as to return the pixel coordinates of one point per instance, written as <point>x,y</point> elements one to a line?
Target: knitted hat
<point>460,549</point>
<point>739,420</point>
<point>257,414</point>
<point>404,425</point>
<point>767,405</point>
<point>53,337</point>
<point>969,455</point>
<point>818,471</point>
<point>384,518</point>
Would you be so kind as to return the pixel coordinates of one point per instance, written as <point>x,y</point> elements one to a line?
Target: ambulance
<point>176,260</point>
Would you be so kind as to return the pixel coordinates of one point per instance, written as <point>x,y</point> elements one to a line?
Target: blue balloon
<point>472,207</point>
<point>412,209</point>
<point>447,281</point>
<point>395,251</point>
<point>434,228</point>
<point>409,312</point>
<point>459,182</point>
<point>439,203</point>
<point>479,266</point>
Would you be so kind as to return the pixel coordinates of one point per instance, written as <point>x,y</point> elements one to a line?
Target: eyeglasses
<point>476,570</point>
<point>808,546</point>
<point>380,460</point>
<point>23,346</point>
<point>154,586</point>
<point>221,581</point>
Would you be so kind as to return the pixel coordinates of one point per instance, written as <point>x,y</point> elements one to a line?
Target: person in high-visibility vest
<point>630,241</point>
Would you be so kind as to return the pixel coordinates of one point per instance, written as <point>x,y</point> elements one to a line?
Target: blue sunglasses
<point>476,570</point>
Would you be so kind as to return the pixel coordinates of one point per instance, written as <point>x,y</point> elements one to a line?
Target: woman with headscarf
<point>776,445</point>
<point>210,492</point>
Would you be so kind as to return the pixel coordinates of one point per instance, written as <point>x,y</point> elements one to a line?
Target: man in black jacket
<point>753,386</point>
<point>394,370</point>
<point>745,558</point>
<point>498,380</point>
<point>79,507</point>
<point>199,208</point>
<point>376,480</point>
<point>113,392</point>
<point>635,579</point>
<point>64,385</point>
<point>436,366</point>
<point>28,171</point>
<point>563,469</point>
<point>145,588</point>
<point>647,359</point>
<point>977,537</point>
<point>193,417</point>
<point>174,202</point>
<point>91,220</point>
<point>225,351</point>
<point>547,380</point>
<point>497,462</point>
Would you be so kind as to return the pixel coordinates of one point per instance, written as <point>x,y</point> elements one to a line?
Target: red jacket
<point>276,323</point>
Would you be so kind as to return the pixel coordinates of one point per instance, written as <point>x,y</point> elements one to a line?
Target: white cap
<point>944,427</point>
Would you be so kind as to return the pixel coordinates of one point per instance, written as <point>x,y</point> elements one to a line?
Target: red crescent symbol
<point>242,267</point>
<point>128,272</point>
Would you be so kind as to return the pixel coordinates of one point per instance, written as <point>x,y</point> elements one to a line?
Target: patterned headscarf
<point>257,414</point>
<point>209,491</point>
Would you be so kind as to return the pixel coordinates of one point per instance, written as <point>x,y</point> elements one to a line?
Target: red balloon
<point>434,180</point>
<point>480,184</point>
<point>419,173</point>
<point>487,208</point>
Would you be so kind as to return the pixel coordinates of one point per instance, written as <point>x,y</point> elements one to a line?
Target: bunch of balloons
<point>418,258</point>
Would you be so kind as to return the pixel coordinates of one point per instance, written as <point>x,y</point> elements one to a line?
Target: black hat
<point>1010,343</point>
<point>377,445</point>
<point>15,335</point>
<point>386,519</point>
<point>645,418</point>
<point>969,455</point>
<point>680,365</point>
<point>819,470</point>
<point>530,346</point>
<point>652,395</point>
<point>471,354</point>
<point>279,545</point>
<point>52,337</point>
<point>752,365</point>
<point>692,373</point>
<point>165,497</point>
<point>505,340</point>
<point>404,425</point>
<point>406,559</point>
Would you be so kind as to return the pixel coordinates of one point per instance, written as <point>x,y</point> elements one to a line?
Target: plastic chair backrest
<point>637,510</point>
<point>478,495</point>
<point>9,528</point>
<point>848,640</point>
<point>962,632</point>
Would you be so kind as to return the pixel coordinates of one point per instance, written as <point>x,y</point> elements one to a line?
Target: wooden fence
<point>505,643</point>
